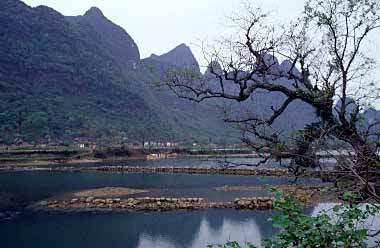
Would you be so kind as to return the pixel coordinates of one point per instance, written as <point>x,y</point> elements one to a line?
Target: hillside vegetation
<point>67,77</point>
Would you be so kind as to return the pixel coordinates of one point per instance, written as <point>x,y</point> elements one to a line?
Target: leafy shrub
<point>340,228</point>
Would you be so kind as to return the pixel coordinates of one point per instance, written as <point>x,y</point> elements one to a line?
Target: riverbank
<point>126,199</point>
<point>325,176</point>
<point>251,171</point>
<point>109,192</point>
<point>152,204</point>
<point>54,162</point>
<point>55,156</point>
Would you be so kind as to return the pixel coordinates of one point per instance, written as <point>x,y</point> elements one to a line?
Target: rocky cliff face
<point>66,77</point>
<point>118,44</point>
<point>181,57</point>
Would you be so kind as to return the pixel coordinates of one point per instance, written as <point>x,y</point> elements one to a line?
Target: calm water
<point>135,230</point>
<point>28,187</point>
<point>22,228</point>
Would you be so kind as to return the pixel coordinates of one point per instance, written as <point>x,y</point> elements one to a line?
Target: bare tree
<point>327,69</point>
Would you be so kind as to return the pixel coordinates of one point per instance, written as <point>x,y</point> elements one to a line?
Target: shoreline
<point>127,200</point>
<point>56,162</point>
<point>266,172</point>
<point>250,171</point>
<point>151,204</point>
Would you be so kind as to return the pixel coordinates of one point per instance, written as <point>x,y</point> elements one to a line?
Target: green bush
<point>340,228</point>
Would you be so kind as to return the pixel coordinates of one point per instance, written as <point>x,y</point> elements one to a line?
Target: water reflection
<point>229,230</point>
<point>135,230</point>
<point>139,230</point>
<point>128,230</point>
<point>28,187</point>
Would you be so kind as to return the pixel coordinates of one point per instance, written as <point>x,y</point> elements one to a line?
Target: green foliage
<point>62,78</point>
<point>300,230</point>
<point>339,228</point>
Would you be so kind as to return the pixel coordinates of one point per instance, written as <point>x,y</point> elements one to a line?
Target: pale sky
<point>158,26</point>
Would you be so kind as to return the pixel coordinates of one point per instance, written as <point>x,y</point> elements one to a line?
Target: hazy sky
<point>159,25</point>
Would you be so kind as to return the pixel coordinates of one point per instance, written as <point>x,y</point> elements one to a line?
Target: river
<point>21,227</point>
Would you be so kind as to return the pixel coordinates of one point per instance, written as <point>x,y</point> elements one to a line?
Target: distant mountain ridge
<point>63,77</point>
<point>67,77</point>
<point>121,47</point>
<point>261,103</point>
<point>180,56</point>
